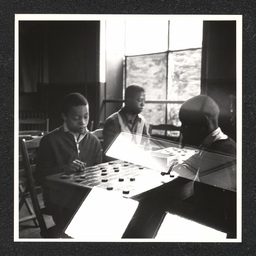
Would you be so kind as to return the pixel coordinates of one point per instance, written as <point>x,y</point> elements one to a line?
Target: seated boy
<point>69,147</point>
<point>128,119</point>
<point>215,163</point>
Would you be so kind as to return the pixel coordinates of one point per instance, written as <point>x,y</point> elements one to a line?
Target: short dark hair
<point>71,100</point>
<point>195,108</point>
<point>132,90</point>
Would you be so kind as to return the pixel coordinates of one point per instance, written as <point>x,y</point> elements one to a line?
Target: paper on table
<point>177,229</point>
<point>103,216</point>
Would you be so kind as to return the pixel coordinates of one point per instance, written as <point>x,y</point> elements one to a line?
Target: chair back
<point>90,126</point>
<point>165,131</point>
<point>28,152</point>
<point>101,125</point>
<point>33,122</point>
<point>99,134</point>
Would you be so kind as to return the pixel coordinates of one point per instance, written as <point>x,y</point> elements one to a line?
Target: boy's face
<point>193,129</point>
<point>77,118</point>
<point>136,104</point>
<point>191,134</point>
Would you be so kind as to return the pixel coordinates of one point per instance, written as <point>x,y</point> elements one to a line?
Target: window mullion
<point>167,80</point>
<point>167,74</point>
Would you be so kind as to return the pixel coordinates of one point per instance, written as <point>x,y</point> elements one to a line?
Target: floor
<point>28,229</point>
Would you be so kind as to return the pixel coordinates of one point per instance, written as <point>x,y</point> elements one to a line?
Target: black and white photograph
<point>128,128</point>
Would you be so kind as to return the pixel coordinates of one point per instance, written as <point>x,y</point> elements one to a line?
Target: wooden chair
<point>99,134</point>
<point>24,200</point>
<point>34,125</point>
<point>165,131</point>
<point>33,122</point>
<point>24,194</point>
<point>29,165</point>
<point>100,125</point>
<point>91,125</point>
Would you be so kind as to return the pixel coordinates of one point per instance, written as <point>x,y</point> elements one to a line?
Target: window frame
<point>157,101</point>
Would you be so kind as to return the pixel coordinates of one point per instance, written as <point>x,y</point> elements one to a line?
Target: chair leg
<point>31,211</point>
<point>22,197</point>
<point>24,200</point>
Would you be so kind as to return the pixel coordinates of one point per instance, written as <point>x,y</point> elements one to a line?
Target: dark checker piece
<point>79,180</point>
<point>120,176</point>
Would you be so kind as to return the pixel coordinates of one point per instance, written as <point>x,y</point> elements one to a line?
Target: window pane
<point>185,34</point>
<point>184,74</point>
<point>148,71</point>
<point>146,36</point>
<point>154,113</point>
<point>173,118</point>
<point>173,114</point>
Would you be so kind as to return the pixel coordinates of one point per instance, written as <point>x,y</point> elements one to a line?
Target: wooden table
<point>118,176</point>
<point>156,194</point>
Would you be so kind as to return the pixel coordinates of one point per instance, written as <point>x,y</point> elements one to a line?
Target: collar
<point>215,135</point>
<point>77,136</point>
<point>125,116</point>
<point>65,127</point>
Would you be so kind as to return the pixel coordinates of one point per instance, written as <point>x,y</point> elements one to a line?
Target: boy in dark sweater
<point>70,147</point>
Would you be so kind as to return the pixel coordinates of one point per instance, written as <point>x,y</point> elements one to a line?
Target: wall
<point>61,57</point>
<point>218,78</point>
<point>114,43</point>
<point>64,57</point>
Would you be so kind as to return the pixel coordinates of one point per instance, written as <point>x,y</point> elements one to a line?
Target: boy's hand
<point>170,166</point>
<point>76,166</point>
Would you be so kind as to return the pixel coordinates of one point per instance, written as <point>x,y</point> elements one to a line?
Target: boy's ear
<point>205,124</point>
<point>205,120</point>
<point>63,116</point>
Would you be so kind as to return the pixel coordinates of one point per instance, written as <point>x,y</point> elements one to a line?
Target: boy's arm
<point>188,168</point>
<point>46,162</point>
<point>146,130</point>
<point>110,131</point>
<point>98,154</point>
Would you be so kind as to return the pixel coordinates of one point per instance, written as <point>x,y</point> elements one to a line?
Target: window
<point>169,77</point>
<point>150,72</point>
